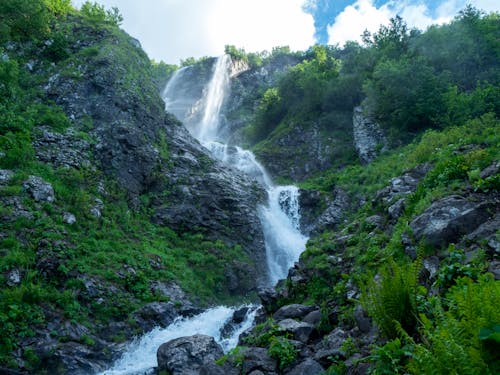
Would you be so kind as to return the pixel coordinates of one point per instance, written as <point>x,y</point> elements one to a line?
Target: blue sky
<point>171,30</point>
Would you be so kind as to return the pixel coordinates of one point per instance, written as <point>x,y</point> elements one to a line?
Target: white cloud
<point>363,14</point>
<point>355,18</point>
<point>171,30</point>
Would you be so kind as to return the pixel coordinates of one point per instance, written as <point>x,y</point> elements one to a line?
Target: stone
<point>257,359</point>
<point>269,299</point>
<point>369,140</point>
<point>329,347</point>
<point>448,219</point>
<point>294,311</point>
<point>300,331</point>
<point>491,170</point>
<point>13,277</point>
<point>308,367</point>
<point>375,221</point>
<point>363,321</point>
<point>396,209</point>
<point>187,355</point>
<point>314,317</point>
<point>69,218</point>
<point>40,190</point>
<point>5,176</point>
<point>494,268</point>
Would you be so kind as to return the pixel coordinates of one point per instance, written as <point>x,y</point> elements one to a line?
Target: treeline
<point>406,79</point>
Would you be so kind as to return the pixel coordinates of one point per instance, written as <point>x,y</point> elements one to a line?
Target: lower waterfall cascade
<point>280,220</point>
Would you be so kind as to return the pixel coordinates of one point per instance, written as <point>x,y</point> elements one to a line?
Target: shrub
<point>283,351</point>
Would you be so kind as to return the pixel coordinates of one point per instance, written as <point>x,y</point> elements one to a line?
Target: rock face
<point>187,355</point>
<point>368,137</point>
<point>447,219</point>
<point>191,192</point>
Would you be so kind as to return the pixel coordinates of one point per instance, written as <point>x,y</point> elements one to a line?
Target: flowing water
<point>280,220</point>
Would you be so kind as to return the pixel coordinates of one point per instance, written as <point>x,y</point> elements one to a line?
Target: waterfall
<point>140,355</point>
<point>280,220</point>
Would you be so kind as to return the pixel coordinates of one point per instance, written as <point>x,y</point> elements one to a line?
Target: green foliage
<point>283,351</point>
<point>236,53</point>
<point>22,20</point>
<point>97,14</point>
<point>392,301</point>
<point>459,337</point>
<point>391,358</point>
<point>455,267</point>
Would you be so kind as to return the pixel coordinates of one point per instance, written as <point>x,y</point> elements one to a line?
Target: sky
<point>172,30</point>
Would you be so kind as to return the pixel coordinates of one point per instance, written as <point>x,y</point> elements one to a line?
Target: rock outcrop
<point>369,140</point>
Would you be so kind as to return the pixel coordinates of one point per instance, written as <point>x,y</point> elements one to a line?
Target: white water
<point>140,355</point>
<point>280,220</point>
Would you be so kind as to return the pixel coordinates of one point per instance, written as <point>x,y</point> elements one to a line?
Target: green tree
<point>23,19</point>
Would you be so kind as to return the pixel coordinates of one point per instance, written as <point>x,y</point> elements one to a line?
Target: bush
<point>283,351</point>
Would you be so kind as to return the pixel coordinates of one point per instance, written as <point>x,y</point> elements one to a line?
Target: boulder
<point>257,359</point>
<point>308,367</point>
<point>314,317</point>
<point>300,331</point>
<point>294,311</point>
<point>188,355</point>
<point>401,186</point>
<point>448,219</point>
<point>40,190</point>
<point>5,176</point>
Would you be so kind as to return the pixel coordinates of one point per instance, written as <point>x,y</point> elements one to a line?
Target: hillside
<point>114,219</point>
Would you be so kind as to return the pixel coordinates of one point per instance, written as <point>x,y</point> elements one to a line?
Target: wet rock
<point>187,355</point>
<point>294,311</point>
<point>237,318</point>
<point>156,314</point>
<point>300,331</point>
<point>40,190</point>
<point>216,369</point>
<point>369,139</point>
<point>447,219</point>
<point>308,367</point>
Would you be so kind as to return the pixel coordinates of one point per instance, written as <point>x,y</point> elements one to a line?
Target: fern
<point>392,302</point>
<point>453,344</point>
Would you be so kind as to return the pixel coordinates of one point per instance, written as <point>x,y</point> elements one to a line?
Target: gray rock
<point>40,190</point>
<point>494,268</point>
<point>308,367</point>
<point>363,321</point>
<point>257,359</point>
<point>187,355</point>
<point>403,185</point>
<point>491,170</point>
<point>314,317</point>
<point>69,218</point>
<point>294,311</point>
<point>156,314</point>
<point>448,219</point>
<point>396,209</point>
<point>369,139</point>
<point>300,331</point>
<point>5,176</point>
<point>13,277</point>
<point>329,347</point>
<point>375,221</point>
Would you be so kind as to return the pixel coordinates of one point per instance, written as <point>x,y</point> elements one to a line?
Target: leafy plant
<point>392,300</point>
<point>283,351</point>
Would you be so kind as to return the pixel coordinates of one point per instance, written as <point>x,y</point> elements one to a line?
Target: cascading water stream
<point>280,220</point>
